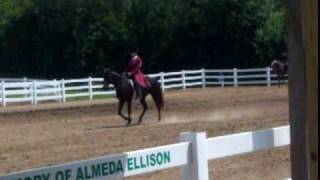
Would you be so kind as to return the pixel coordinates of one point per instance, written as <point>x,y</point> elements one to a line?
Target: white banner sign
<point>111,167</point>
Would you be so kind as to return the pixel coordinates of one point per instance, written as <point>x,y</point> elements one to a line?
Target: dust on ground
<point>49,134</point>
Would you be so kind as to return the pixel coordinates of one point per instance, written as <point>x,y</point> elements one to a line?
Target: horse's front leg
<point>129,112</point>
<point>145,107</point>
<point>120,106</point>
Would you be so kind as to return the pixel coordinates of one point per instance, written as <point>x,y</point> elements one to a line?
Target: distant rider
<point>134,71</point>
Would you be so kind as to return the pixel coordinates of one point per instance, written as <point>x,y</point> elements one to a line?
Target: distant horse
<point>280,69</point>
<point>125,91</point>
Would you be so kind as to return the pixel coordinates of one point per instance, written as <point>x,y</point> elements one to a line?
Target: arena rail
<point>62,90</point>
<point>193,153</point>
<point>24,79</point>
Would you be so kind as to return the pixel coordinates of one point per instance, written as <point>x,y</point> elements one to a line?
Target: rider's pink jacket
<point>134,68</point>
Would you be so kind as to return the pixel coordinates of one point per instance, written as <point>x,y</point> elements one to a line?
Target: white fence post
<point>203,74</point>
<point>24,87</point>
<point>221,79</point>
<point>59,92</point>
<point>3,94</point>
<point>183,75</point>
<point>235,77</point>
<point>197,168</point>
<point>29,88</point>
<point>34,92</point>
<point>63,92</point>
<point>268,76</point>
<point>162,81</point>
<point>55,85</point>
<point>90,88</point>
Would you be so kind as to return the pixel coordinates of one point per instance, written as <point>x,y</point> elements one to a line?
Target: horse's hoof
<point>129,123</point>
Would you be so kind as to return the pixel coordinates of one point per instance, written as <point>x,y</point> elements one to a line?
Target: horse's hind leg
<point>145,107</point>
<point>157,98</point>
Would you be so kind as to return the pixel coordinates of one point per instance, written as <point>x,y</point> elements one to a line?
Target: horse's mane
<point>115,74</point>
<point>275,61</point>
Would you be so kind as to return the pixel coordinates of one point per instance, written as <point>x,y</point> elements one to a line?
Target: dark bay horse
<point>280,69</point>
<point>125,92</point>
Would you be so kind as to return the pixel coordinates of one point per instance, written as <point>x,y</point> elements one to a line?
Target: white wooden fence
<point>60,90</point>
<point>24,79</point>
<point>192,153</point>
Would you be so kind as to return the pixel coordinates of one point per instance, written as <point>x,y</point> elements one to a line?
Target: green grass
<point>70,99</point>
<point>85,98</point>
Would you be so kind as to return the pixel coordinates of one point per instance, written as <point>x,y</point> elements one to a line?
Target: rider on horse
<point>134,71</point>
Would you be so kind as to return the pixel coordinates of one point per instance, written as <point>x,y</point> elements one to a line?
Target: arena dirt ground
<point>55,133</point>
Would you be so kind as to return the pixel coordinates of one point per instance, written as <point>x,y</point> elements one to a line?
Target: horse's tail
<point>161,102</point>
<point>157,95</point>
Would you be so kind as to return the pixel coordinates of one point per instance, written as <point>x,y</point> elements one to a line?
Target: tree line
<point>76,38</point>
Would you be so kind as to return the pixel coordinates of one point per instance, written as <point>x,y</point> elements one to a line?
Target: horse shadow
<point>113,126</point>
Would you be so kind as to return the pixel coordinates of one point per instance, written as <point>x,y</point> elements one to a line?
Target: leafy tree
<point>74,38</point>
<point>270,40</point>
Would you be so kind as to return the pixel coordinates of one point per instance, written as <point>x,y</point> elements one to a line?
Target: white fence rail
<point>24,79</point>
<point>61,90</point>
<point>192,153</point>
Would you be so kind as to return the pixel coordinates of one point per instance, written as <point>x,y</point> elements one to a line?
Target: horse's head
<point>274,61</point>
<point>279,67</point>
<point>107,79</point>
<point>111,78</point>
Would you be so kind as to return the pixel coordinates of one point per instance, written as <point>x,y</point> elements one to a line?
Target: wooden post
<point>203,75</point>
<point>197,168</point>
<point>303,85</point>
<point>310,41</point>
<point>268,76</point>
<point>235,77</point>
<point>3,94</point>
<point>183,76</point>
<point>90,88</point>
<point>296,90</point>
<point>59,90</point>
<point>34,92</point>
<point>55,86</point>
<point>24,87</point>
<point>63,91</point>
<point>221,79</point>
<point>162,81</point>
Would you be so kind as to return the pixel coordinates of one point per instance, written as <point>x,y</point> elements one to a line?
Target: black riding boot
<point>138,89</point>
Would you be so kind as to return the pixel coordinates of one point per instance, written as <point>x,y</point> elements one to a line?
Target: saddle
<point>140,79</point>
<point>146,79</point>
